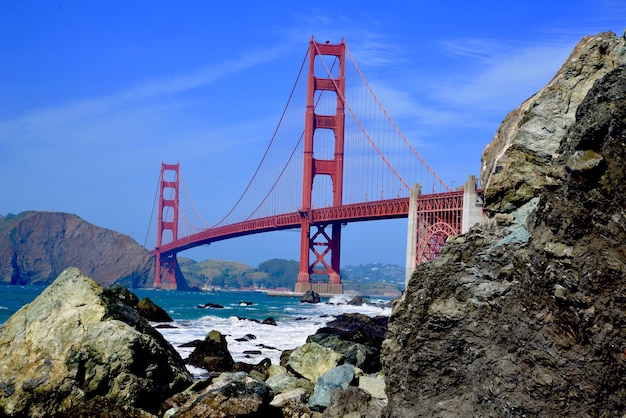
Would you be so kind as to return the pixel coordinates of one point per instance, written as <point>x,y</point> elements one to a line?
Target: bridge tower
<point>166,264</point>
<point>326,239</point>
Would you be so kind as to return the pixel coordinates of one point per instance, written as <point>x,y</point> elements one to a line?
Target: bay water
<point>239,320</point>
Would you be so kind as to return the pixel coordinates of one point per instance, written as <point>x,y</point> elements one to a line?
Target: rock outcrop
<point>516,164</point>
<point>525,315</point>
<point>74,343</point>
<point>35,247</point>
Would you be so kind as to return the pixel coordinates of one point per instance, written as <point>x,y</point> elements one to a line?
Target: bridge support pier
<point>472,204</point>
<point>434,218</point>
<point>411,238</point>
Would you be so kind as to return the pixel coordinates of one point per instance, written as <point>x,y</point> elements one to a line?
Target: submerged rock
<point>74,343</point>
<point>151,311</point>
<point>310,296</point>
<point>211,353</point>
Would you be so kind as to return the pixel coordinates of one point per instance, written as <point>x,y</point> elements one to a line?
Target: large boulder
<point>358,328</point>
<point>338,378</point>
<point>74,343</point>
<point>525,315</point>
<point>311,360</point>
<point>362,356</point>
<point>231,395</point>
<point>151,311</point>
<point>516,164</point>
<point>211,353</point>
<point>310,296</point>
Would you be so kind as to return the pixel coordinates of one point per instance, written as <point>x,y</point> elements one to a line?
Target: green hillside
<point>370,279</point>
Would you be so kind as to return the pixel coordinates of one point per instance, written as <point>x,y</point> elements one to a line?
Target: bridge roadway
<point>355,212</point>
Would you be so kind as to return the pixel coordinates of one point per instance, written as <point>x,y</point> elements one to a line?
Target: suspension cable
<point>156,195</point>
<point>345,102</point>
<point>394,124</point>
<point>268,147</point>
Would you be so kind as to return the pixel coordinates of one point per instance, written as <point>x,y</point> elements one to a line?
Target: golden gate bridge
<point>335,157</point>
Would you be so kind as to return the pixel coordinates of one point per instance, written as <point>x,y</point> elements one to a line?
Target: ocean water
<point>239,319</point>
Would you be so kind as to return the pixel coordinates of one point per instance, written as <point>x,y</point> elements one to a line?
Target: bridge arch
<point>432,240</point>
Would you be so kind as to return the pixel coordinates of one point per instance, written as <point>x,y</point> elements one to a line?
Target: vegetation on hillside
<point>370,279</point>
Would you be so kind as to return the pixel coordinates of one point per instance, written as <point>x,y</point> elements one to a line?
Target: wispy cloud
<point>70,114</point>
<point>501,75</point>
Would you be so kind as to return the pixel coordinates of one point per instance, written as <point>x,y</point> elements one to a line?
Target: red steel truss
<point>322,243</point>
<point>166,264</point>
<point>439,216</point>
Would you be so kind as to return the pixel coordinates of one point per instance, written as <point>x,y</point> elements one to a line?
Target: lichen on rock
<point>75,342</point>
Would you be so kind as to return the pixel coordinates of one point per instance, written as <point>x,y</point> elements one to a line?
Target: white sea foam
<point>289,333</point>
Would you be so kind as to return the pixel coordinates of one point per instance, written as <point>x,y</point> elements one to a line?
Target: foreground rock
<point>151,311</point>
<point>516,164</point>
<point>231,395</point>
<point>525,316</point>
<point>355,336</point>
<point>74,343</point>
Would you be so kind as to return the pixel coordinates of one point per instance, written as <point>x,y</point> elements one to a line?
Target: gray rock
<point>311,360</point>
<point>338,378</point>
<point>236,395</point>
<point>294,394</point>
<point>285,382</point>
<point>516,164</point>
<point>74,343</point>
<point>362,356</point>
<point>310,296</point>
<point>374,385</point>
<point>532,326</point>
<point>353,402</point>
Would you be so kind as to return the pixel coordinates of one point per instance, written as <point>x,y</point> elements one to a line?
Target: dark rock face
<point>525,315</point>
<point>236,396</point>
<point>516,164</point>
<point>35,247</point>
<point>74,343</point>
<point>212,354</point>
<point>358,328</point>
<point>357,337</point>
<point>151,311</point>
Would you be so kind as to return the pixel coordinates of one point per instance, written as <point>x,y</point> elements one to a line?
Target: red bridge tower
<point>166,264</point>
<point>322,243</point>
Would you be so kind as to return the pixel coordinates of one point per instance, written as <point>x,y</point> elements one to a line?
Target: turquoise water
<point>238,318</point>
<point>14,297</point>
<point>252,305</point>
<point>180,305</point>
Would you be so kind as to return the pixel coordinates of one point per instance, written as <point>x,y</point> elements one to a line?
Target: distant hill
<point>35,247</point>
<point>370,279</point>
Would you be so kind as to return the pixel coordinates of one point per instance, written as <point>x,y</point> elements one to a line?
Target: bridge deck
<point>366,211</point>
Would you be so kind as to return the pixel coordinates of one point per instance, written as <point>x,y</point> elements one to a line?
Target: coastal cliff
<point>35,247</point>
<point>525,314</point>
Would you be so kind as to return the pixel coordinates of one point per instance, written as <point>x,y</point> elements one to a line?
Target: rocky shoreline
<point>83,350</point>
<point>525,315</point>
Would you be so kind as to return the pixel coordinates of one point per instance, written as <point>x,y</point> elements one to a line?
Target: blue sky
<point>96,94</point>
